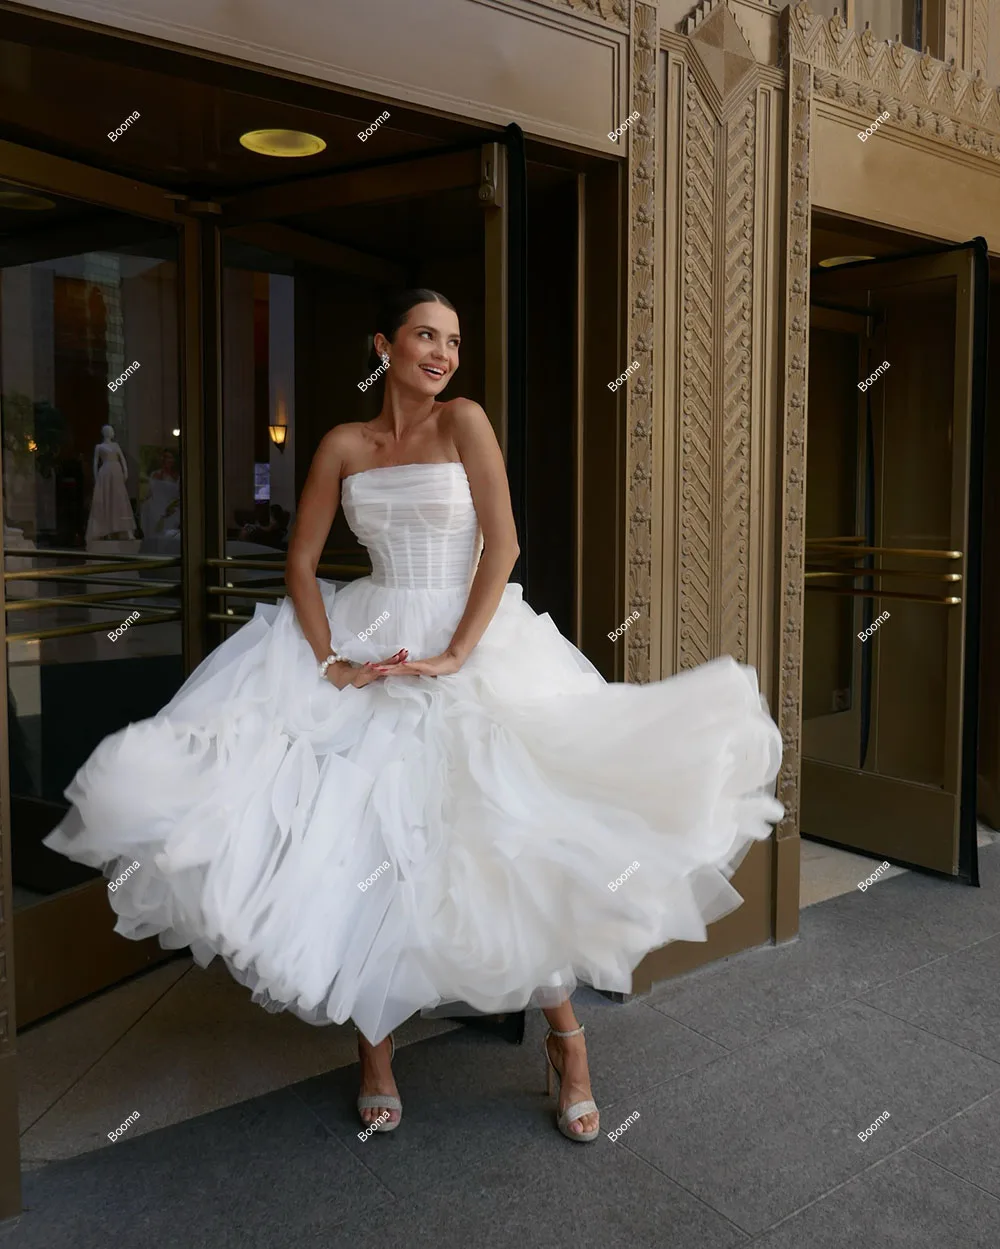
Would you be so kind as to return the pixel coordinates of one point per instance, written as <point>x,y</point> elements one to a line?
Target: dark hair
<point>395,308</point>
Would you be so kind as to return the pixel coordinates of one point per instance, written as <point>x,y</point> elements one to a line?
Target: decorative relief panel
<point>793,447</point>
<point>980,42</point>
<point>614,12</point>
<point>694,593</point>
<point>737,362</point>
<point>641,297</point>
<point>920,93</point>
<point>718,183</point>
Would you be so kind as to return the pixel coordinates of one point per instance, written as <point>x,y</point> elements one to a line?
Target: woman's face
<point>425,353</point>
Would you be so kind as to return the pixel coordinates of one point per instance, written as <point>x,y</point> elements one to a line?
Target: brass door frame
<point>40,171</point>
<point>954,804</point>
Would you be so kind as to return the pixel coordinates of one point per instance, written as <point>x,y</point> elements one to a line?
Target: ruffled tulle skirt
<point>486,839</point>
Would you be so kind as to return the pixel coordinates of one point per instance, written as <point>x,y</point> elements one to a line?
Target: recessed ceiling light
<point>842,260</point>
<point>282,142</point>
<point>24,201</point>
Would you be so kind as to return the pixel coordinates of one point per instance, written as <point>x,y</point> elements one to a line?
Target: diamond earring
<point>385,358</point>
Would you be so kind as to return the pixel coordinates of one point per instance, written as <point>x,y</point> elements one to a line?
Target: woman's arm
<point>480,452</point>
<point>317,508</point>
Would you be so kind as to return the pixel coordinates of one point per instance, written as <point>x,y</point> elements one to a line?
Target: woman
<point>413,790</point>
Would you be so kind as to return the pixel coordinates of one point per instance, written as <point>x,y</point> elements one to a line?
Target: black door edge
<point>968,848</point>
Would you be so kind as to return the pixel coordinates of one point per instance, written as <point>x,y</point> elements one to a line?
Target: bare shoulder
<point>466,423</point>
<point>338,443</point>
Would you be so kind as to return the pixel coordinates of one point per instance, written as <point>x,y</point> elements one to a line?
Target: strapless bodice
<point>417,522</point>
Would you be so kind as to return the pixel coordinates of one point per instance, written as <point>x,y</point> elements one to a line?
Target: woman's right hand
<point>341,673</point>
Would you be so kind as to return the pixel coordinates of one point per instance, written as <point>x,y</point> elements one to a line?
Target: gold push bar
<point>40,635</point>
<point>854,552</point>
<point>823,571</point>
<point>57,551</point>
<point>229,617</point>
<point>85,570</point>
<point>264,595</point>
<point>361,570</point>
<point>26,604</point>
<point>899,594</point>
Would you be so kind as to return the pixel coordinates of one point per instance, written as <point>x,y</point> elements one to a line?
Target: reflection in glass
<point>90,419</point>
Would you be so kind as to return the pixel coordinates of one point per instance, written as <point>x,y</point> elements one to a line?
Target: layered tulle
<point>368,853</point>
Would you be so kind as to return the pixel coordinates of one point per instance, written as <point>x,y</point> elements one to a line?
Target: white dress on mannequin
<point>111,512</point>
<point>493,807</point>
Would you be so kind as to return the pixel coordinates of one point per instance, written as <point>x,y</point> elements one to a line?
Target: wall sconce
<point>278,435</point>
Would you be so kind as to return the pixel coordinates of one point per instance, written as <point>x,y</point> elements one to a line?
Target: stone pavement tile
<point>837,956</point>
<point>259,1175</point>
<point>905,1202</point>
<point>551,1193</point>
<point>968,1145</point>
<point>773,1126</point>
<point>957,998</point>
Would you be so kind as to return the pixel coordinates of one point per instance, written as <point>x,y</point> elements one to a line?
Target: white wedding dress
<point>504,798</point>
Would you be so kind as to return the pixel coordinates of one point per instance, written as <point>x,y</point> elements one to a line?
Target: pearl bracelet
<point>332,658</point>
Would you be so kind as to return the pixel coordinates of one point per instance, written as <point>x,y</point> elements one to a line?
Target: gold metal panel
<point>905,820</point>
<point>65,969</point>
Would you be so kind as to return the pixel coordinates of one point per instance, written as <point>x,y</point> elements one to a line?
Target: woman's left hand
<point>438,666</point>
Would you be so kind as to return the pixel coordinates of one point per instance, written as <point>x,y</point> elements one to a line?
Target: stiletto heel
<point>578,1109</point>
<point>387,1101</point>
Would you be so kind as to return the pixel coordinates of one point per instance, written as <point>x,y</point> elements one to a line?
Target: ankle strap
<point>575,1032</point>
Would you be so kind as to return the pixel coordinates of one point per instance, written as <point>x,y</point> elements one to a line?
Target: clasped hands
<point>396,665</point>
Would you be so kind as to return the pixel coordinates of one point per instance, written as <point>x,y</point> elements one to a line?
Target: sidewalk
<point>752,1079</point>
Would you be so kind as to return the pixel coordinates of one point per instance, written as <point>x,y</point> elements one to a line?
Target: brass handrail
<point>228,617</point>
<point>98,599</point>
<point>76,552</point>
<point>916,553</point>
<point>813,571</point>
<point>85,570</point>
<point>41,635</point>
<point>898,594</point>
<point>279,567</point>
<point>263,595</point>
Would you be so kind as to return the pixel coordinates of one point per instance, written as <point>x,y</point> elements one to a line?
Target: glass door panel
<point>91,423</point>
<point>892,570</point>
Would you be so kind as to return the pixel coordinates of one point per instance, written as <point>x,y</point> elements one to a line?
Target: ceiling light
<point>282,142</point>
<point>842,260</point>
<point>24,201</point>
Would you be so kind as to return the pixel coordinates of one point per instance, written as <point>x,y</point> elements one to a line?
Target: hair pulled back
<point>394,310</point>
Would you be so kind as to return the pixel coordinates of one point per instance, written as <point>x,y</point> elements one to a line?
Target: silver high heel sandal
<point>387,1101</point>
<point>578,1109</point>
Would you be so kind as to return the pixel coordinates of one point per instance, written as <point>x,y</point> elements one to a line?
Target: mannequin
<point>110,510</point>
